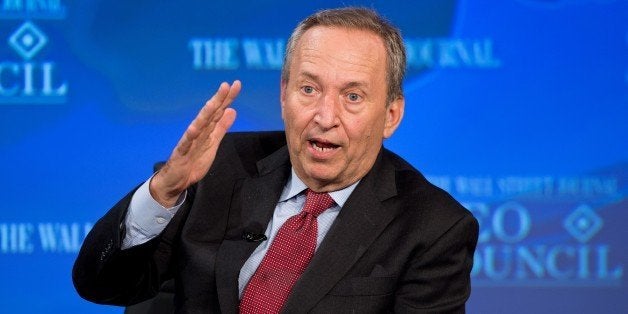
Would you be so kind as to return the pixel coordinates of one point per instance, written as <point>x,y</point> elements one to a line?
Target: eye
<point>307,89</point>
<point>353,97</point>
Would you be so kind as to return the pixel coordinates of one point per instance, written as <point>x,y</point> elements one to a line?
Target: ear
<point>394,114</point>
<point>282,96</point>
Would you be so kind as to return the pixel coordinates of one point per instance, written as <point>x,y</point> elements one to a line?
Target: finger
<point>225,102</point>
<point>214,108</point>
<point>217,115</point>
<point>213,135</point>
<point>185,143</point>
<point>225,122</point>
<point>223,125</point>
<point>236,86</point>
<point>212,105</point>
<point>210,115</point>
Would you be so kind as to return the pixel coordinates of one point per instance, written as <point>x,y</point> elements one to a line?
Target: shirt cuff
<point>146,218</point>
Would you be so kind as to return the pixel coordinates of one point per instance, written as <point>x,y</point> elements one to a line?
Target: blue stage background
<point>518,108</point>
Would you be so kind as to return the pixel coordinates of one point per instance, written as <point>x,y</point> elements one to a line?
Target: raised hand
<point>196,150</point>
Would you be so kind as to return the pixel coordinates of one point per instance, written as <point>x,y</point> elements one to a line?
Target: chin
<point>321,174</point>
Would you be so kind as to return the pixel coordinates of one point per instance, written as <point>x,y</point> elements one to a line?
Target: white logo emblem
<point>28,40</point>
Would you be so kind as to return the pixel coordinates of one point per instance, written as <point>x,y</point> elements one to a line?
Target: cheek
<point>358,129</point>
<point>298,114</point>
<point>365,133</point>
<point>295,123</point>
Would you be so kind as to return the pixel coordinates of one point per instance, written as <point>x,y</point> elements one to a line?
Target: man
<point>239,222</point>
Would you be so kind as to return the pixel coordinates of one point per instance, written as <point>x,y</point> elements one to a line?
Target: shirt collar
<point>294,186</point>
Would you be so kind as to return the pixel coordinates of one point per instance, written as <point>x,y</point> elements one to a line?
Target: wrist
<point>163,194</point>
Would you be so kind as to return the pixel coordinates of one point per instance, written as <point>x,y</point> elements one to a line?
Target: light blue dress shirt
<point>146,219</point>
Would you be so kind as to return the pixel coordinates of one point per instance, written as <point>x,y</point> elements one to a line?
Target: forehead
<point>338,50</point>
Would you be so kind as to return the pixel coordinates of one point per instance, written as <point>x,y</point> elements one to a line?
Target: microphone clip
<point>254,237</point>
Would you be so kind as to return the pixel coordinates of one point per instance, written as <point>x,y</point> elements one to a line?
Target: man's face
<point>334,106</point>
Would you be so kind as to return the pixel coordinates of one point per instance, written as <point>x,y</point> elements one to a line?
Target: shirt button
<point>161,220</point>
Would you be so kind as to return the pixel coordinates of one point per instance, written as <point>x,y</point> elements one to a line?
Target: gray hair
<point>361,19</point>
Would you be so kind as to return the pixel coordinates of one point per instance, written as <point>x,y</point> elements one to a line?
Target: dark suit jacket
<point>399,243</point>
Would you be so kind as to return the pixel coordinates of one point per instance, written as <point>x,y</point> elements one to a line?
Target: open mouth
<point>322,146</point>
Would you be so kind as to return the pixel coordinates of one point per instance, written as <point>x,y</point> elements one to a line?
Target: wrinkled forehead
<point>348,35</point>
<point>341,47</point>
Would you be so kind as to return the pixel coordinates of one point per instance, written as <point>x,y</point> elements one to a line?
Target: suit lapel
<point>258,199</point>
<point>359,223</point>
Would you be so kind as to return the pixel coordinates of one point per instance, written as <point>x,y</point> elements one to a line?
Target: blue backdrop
<point>518,108</point>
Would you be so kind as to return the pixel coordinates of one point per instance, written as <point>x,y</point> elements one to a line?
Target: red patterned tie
<point>286,259</point>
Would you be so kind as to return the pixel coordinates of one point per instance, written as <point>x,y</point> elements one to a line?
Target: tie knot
<point>316,203</point>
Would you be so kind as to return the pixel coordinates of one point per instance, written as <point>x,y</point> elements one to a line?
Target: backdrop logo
<point>425,53</point>
<point>540,231</point>
<point>267,54</point>
<point>33,79</point>
<point>32,9</point>
<point>49,237</point>
<point>28,40</point>
<point>583,223</point>
<point>232,53</point>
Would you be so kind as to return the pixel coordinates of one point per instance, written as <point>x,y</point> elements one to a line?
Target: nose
<point>326,111</point>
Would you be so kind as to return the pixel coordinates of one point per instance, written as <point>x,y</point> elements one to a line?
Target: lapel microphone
<point>253,237</point>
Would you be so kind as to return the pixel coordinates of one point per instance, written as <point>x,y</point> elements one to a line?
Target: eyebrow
<point>310,76</point>
<point>316,78</point>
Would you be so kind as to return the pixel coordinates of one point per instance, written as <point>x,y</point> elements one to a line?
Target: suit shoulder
<point>422,198</point>
<point>261,137</point>
<point>262,143</point>
<point>248,148</point>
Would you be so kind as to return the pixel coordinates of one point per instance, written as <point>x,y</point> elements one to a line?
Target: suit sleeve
<point>104,273</point>
<point>438,277</point>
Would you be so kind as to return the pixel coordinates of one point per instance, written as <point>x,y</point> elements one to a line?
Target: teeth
<point>321,149</point>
